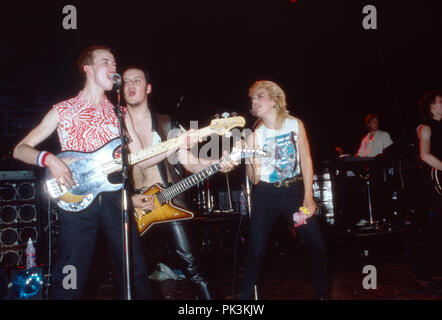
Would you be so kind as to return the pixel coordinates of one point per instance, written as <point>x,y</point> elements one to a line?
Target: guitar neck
<point>202,175</point>
<point>144,154</point>
<point>188,182</point>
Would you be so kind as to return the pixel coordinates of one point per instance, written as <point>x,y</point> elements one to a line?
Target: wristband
<point>42,157</point>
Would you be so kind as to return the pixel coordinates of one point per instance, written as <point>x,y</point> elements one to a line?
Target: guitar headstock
<point>223,125</point>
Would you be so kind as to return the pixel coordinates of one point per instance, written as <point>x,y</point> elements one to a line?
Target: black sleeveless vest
<point>435,150</point>
<point>436,137</point>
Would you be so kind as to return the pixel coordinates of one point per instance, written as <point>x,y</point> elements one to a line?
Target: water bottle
<point>30,255</point>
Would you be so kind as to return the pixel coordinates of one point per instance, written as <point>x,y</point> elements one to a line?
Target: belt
<point>287,183</point>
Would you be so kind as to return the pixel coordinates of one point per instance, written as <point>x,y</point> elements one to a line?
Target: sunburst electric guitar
<point>90,170</point>
<point>165,209</point>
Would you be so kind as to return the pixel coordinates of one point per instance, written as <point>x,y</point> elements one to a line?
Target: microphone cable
<point>235,253</point>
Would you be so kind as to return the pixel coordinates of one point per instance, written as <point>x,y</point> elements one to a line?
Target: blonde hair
<point>277,95</point>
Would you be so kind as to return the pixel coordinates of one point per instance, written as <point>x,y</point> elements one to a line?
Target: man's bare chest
<point>144,131</point>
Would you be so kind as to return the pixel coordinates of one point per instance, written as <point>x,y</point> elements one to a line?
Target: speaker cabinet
<point>20,194</point>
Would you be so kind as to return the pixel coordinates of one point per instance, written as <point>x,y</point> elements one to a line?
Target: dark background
<point>333,71</point>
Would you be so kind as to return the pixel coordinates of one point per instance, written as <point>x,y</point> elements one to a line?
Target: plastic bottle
<point>30,255</point>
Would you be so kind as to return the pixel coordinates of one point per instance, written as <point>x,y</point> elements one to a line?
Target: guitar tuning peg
<point>217,115</point>
<point>234,114</point>
<point>228,134</point>
<point>225,115</point>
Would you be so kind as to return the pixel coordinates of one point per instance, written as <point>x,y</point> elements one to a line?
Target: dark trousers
<point>428,258</point>
<point>78,234</point>
<point>178,235</point>
<point>268,203</point>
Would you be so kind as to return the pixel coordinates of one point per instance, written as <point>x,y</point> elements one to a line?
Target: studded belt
<point>287,183</point>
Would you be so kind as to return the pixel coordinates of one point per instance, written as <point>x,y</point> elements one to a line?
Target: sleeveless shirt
<point>282,161</point>
<point>84,127</point>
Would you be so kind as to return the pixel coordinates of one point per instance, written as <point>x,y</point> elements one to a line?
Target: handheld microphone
<point>115,77</point>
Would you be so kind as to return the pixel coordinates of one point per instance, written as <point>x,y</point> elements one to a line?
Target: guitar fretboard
<point>188,182</point>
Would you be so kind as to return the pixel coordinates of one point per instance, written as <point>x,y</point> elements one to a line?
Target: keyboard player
<point>376,140</point>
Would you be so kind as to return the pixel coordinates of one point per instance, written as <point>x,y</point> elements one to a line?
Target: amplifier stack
<point>19,215</point>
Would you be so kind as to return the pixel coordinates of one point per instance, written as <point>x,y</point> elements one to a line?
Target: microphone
<point>115,77</point>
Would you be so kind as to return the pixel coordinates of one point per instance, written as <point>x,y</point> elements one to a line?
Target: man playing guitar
<point>151,128</point>
<point>85,123</point>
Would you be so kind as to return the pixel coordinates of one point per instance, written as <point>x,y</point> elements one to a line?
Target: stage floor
<point>286,272</point>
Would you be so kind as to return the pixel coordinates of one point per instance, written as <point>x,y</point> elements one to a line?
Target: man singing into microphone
<point>85,123</point>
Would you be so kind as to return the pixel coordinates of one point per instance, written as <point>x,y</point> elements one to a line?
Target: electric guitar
<point>435,177</point>
<point>90,170</point>
<point>165,209</point>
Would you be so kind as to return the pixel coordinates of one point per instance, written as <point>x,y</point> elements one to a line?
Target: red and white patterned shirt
<point>84,127</point>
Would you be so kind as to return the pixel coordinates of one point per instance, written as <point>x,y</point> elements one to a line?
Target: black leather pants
<point>177,235</point>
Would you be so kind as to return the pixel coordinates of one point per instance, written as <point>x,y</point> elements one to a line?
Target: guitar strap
<point>162,165</point>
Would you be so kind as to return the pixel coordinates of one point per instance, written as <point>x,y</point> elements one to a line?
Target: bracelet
<point>42,157</point>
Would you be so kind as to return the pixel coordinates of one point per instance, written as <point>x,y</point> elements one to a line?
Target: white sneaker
<point>361,223</point>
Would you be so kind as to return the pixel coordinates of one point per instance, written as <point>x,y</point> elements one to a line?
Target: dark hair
<point>424,103</point>
<point>147,76</point>
<point>145,72</point>
<point>87,56</point>
<point>370,117</point>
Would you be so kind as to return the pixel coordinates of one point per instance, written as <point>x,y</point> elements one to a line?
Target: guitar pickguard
<point>87,173</point>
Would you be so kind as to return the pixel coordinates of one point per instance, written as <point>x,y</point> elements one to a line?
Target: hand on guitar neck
<point>191,139</point>
<point>226,163</point>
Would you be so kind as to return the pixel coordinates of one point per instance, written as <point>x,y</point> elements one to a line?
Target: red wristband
<point>43,158</point>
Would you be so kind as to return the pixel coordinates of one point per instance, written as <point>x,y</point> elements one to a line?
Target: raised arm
<point>195,164</point>
<point>253,165</point>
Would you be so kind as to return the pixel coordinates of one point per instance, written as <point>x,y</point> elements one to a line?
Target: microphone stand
<point>249,209</point>
<point>247,196</point>
<point>124,212</point>
<point>229,193</point>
